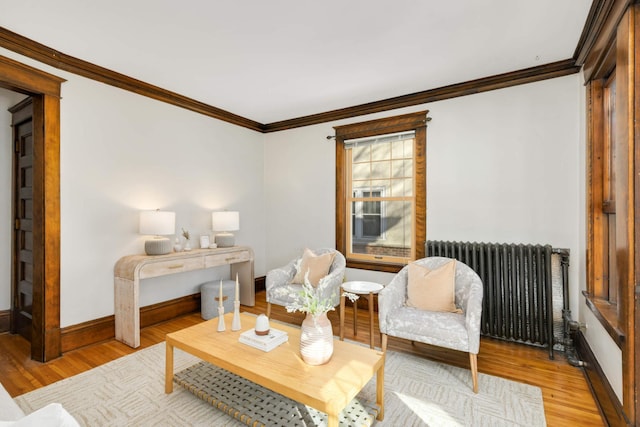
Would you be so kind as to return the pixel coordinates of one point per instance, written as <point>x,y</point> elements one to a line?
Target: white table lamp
<point>224,222</point>
<point>157,223</point>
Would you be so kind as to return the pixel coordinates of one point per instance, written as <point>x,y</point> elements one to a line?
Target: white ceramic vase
<point>316,339</point>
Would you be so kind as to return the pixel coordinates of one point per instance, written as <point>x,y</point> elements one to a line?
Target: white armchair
<point>457,331</point>
<point>279,287</point>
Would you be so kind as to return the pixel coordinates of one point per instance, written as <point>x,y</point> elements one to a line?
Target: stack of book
<point>268,342</point>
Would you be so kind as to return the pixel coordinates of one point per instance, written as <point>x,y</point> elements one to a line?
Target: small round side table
<point>360,288</point>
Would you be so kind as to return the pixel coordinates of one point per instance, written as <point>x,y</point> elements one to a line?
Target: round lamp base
<point>159,246</point>
<point>225,240</point>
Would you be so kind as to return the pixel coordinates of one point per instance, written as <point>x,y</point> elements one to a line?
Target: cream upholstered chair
<point>457,331</point>
<point>279,287</point>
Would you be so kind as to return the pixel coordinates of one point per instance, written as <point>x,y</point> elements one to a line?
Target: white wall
<point>122,153</point>
<point>7,100</point>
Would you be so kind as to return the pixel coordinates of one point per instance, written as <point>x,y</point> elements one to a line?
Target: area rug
<point>418,392</point>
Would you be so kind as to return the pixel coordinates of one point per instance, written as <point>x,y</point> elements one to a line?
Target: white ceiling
<point>271,60</point>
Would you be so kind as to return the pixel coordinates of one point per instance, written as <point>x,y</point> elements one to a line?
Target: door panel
<point>22,280</point>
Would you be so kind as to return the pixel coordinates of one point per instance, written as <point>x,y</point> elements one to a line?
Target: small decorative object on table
<point>221,325</point>
<point>187,243</point>
<point>204,242</point>
<point>262,325</point>
<point>177,247</point>
<point>316,334</point>
<point>235,324</point>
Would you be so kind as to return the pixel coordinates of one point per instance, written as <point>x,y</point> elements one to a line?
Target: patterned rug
<point>418,392</point>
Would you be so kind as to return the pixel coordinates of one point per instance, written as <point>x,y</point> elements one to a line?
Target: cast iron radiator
<point>523,288</point>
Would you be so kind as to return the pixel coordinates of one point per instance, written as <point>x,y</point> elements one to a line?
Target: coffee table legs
<point>380,392</point>
<point>342,297</point>
<point>333,420</point>
<point>168,370</point>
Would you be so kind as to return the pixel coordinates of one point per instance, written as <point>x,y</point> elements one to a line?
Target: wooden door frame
<point>616,48</point>
<point>45,90</point>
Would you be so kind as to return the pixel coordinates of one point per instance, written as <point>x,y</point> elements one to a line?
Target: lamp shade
<point>157,223</point>
<point>225,221</point>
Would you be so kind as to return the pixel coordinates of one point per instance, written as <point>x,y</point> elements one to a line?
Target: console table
<point>129,270</point>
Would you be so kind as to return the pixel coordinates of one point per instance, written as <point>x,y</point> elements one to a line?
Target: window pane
<point>381,187</point>
<point>360,171</point>
<point>371,226</point>
<point>402,187</point>
<point>371,208</point>
<point>381,151</point>
<point>402,168</point>
<point>380,170</point>
<point>397,149</point>
<point>408,148</point>
<point>387,234</point>
<point>360,154</point>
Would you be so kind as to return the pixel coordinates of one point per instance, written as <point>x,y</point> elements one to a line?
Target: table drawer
<point>225,259</point>
<point>170,267</point>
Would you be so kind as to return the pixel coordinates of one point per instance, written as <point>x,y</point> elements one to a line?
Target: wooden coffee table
<point>328,388</point>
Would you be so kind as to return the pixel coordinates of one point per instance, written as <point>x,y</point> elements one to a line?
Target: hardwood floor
<point>567,399</point>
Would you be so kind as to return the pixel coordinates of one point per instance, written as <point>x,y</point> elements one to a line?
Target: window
<point>367,216</point>
<point>381,191</point>
<point>605,229</point>
<point>609,291</point>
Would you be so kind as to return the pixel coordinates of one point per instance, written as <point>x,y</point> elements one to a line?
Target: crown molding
<point>594,49</point>
<point>500,81</point>
<point>39,52</point>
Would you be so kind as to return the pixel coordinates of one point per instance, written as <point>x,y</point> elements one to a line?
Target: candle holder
<point>221,326</point>
<point>235,324</point>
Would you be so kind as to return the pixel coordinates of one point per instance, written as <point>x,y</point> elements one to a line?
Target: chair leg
<point>269,310</point>
<point>473,361</point>
<point>383,342</point>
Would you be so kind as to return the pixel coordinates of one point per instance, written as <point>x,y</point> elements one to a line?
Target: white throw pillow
<point>52,415</point>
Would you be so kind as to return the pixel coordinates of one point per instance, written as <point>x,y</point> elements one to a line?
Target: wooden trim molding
<point>594,50</point>
<point>87,333</point>
<point>5,319</point>
<point>608,403</point>
<point>500,81</point>
<point>45,91</point>
<point>102,329</point>
<point>97,330</point>
<point>25,77</point>
<point>49,56</point>
<point>261,283</point>
<point>601,309</point>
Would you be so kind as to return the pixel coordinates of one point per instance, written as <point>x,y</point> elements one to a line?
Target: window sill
<point>607,314</point>
<point>375,266</point>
